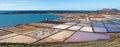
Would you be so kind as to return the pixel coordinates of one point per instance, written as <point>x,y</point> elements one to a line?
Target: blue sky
<point>58,4</point>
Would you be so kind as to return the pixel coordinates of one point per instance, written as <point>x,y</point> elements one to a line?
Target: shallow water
<point>14,19</point>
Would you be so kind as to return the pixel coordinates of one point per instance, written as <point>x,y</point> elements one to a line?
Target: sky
<point>58,4</point>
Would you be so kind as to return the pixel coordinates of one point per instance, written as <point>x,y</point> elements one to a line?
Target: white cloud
<point>7,5</point>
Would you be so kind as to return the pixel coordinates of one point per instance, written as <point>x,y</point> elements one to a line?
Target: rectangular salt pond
<point>116,22</point>
<point>75,28</point>
<point>70,23</point>
<point>99,27</point>
<point>59,37</point>
<point>85,21</point>
<point>86,29</point>
<point>118,26</point>
<point>85,36</point>
<point>62,26</point>
<point>111,26</point>
<point>75,21</point>
<point>19,39</point>
<point>40,34</point>
<point>62,20</point>
<point>88,21</point>
<point>15,19</point>
<point>114,30</point>
<point>94,21</point>
<point>80,24</point>
<point>84,24</point>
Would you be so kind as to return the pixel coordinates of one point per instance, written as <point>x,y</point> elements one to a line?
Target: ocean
<point>8,20</point>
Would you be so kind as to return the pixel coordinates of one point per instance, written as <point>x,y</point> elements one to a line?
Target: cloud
<point>7,5</point>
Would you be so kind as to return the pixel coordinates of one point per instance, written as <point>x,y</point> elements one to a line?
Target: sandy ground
<point>22,29</point>
<point>42,25</point>
<point>8,35</point>
<point>2,32</point>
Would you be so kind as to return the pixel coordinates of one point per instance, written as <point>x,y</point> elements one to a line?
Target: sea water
<point>15,19</point>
